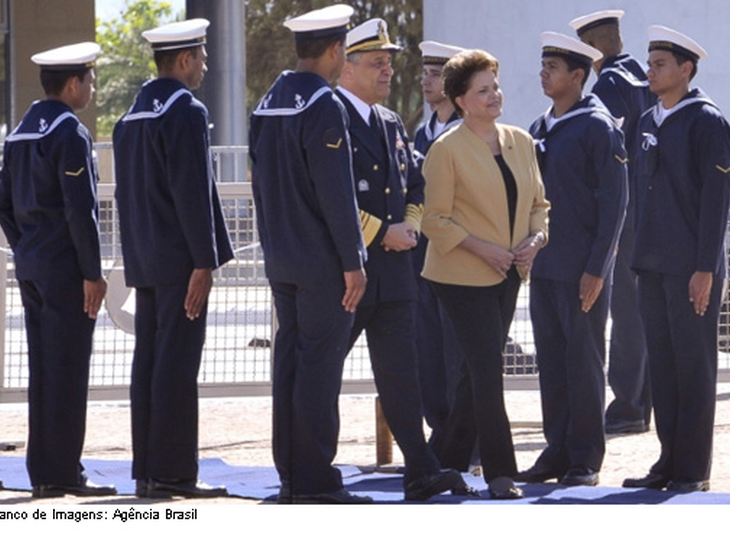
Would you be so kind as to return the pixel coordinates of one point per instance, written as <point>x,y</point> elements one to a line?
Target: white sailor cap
<point>556,44</point>
<point>670,40</point>
<point>595,19</point>
<point>322,23</point>
<point>178,35</point>
<point>436,53</point>
<point>72,57</point>
<point>372,35</point>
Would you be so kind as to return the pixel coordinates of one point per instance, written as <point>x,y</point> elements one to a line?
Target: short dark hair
<point>314,49</point>
<point>165,59</point>
<point>457,74</point>
<point>683,59</point>
<point>53,81</point>
<point>575,65</point>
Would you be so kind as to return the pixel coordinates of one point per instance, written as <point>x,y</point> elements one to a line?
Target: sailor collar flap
<point>659,116</point>
<point>41,121</point>
<point>621,66</point>
<point>548,124</point>
<point>155,104</point>
<point>292,94</point>
<point>429,127</point>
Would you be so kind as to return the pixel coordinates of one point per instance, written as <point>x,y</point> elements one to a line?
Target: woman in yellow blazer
<point>486,218</point>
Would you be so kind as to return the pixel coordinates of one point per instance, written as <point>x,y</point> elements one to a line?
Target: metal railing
<point>238,350</point>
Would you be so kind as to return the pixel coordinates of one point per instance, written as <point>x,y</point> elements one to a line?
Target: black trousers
<point>309,353</point>
<point>59,349</point>
<point>628,370</point>
<point>481,317</point>
<point>164,388</point>
<point>570,347</point>
<point>439,358</point>
<point>390,331</point>
<point>683,370</point>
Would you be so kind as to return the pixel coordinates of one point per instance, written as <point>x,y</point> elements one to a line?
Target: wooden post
<point>383,436</point>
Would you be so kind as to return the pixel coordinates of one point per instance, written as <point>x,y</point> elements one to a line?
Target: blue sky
<point>107,9</point>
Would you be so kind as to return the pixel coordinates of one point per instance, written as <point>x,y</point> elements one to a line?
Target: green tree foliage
<point>126,61</point>
<point>270,47</point>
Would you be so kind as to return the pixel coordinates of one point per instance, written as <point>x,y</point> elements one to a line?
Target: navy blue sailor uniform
<point>389,189</point>
<point>49,212</point>
<point>582,160</point>
<point>681,218</point>
<point>171,223</point>
<point>309,228</point>
<point>439,354</point>
<point>623,88</point>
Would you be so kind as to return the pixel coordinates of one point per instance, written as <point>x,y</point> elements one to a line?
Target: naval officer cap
<point>556,44</point>
<point>596,19</point>
<point>664,38</point>
<point>372,35</point>
<point>436,53</point>
<point>178,35</point>
<point>322,23</point>
<point>72,57</point>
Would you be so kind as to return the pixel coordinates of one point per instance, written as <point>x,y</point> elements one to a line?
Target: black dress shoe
<point>343,496</point>
<point>688,486</point>
<point>191,489</point>
<point>140,488</point>
<point>580,475</point>
<point>503,488</point>
<point>464,490</point>
<point>84,489</point>
<point>626,427</point>
<point>650,481</point>
<point>425,487</point>
<point>538,473</point>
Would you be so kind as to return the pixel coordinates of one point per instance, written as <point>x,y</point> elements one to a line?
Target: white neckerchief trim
<point>660,113</point>
<point>551,121</point>
<point>300,106</point>
<point>432,134</point>
<point>39,134</point>
<point>159,108</point>
<point>626,75</point>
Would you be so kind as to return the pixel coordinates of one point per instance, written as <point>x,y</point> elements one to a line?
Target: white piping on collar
<point>160,108</point>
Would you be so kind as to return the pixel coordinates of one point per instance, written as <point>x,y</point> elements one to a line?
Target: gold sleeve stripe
<point>74,173</point>
<point>370,226</point>
<point>725,170</point>
<point>413,216</point>
<point>621,160</point>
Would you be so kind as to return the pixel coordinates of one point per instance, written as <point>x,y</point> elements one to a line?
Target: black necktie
<point>374,121</point>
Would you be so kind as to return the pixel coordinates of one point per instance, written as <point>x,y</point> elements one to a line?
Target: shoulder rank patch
<point>621,160</point>
<point>333,138</point>
<point>724,170</point>
<point>74,173</point>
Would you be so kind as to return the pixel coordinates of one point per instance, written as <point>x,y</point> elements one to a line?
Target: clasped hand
<point>400,237</point>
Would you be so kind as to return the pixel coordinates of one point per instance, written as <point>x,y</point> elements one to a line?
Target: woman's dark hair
<point>457,74</point>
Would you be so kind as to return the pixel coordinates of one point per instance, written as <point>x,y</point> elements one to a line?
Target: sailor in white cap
<point>681,216</point>
<point>443,117</point>
<point>173,236</point>
<point>313,251</point>
<point>389,190</point>
<point>623,88</point>
<point>437,369</point>
<point>49,213</point>
<point>583,163</point>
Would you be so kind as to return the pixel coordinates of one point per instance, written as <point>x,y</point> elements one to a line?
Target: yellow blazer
<point>465,195</point>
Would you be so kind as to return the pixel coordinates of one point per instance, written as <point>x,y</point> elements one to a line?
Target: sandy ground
<point>238,430</point>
